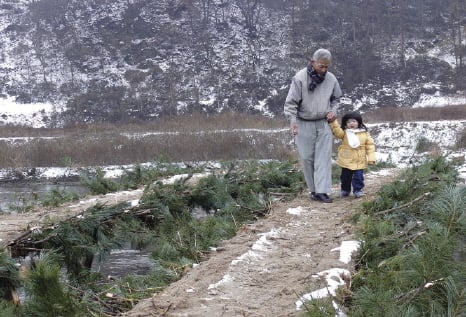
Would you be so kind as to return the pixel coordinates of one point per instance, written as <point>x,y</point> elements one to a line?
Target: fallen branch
<point>413,238</point>
<point>281,194</point>
<point>25,243</point>
<point>408,204</point>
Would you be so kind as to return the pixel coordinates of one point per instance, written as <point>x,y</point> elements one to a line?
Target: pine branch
<point>413,238</point>
<point>409,295</point>
<point>408,204</point>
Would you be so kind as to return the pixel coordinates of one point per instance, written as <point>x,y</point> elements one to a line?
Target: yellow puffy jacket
<point>354,158</point>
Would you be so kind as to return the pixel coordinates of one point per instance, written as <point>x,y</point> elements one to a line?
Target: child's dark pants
<point>349,177</point>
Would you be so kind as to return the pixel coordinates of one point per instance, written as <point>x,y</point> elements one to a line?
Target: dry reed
<point>195,137</point>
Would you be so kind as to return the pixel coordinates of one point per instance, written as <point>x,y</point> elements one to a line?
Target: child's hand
<point>371,162</point>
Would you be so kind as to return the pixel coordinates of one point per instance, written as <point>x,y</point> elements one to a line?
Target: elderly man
<point>314,92</point>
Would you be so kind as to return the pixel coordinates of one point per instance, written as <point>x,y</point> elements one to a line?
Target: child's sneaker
<point>344,193</point>
<point>358,194</point>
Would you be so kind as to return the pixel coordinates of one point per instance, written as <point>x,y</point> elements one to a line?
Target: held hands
<point>294,129</point>
<point>331,116</point>
<point>371,162</point>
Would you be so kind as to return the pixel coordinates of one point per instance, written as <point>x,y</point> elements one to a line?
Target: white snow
<point>296,211</point>
<point>334,279</point>
<point>32,114</point>
<point>226,279</point>
<point>438,100</point>
<point>260,246</point>
<point>179,177</point>
<point>346,250</point>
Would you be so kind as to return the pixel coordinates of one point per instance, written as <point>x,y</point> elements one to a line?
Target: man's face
<point>321,66</point>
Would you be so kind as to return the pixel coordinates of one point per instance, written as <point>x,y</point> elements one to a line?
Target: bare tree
<point>250,10</point>
<point>206,7</point>
<point>295,22</point>
<point>402,32</point>
<point>222,5</point>
<point>457,11</point>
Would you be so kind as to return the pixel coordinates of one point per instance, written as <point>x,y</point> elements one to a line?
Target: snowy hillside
<point>118,60</point>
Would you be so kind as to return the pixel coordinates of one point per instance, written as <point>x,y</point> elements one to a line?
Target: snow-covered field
<point>396,141</point>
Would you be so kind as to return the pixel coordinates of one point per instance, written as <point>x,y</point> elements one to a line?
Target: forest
<point>114,61</point>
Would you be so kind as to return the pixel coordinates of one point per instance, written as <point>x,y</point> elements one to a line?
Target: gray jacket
<point>311,105</point>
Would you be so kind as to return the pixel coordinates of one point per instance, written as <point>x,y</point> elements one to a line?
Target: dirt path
<point>13,225</point>
<point>268,265</point>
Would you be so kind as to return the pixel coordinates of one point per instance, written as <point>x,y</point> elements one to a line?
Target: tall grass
<point>189,138</point>
<point>403,114</point>
<point>115,148</point>
<point>195,137</point>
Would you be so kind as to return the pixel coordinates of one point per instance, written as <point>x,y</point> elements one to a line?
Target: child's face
<point>352,124</point>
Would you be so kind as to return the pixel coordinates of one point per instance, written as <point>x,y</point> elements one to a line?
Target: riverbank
<point>14,225</point>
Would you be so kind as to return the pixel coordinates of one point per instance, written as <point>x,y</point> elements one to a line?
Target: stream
<point>15,197</point>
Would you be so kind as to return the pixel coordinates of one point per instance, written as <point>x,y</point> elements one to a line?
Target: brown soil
<point>268,265</point>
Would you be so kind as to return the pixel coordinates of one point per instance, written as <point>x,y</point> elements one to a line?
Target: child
<point>356,150</point>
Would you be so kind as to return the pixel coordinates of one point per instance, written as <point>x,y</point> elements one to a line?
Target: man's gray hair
<point>322,53</point>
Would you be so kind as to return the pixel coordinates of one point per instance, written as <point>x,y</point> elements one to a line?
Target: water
<point>21,195</point>
<point>122,262</point>
<point>17,196</point>
<point>115,265</point>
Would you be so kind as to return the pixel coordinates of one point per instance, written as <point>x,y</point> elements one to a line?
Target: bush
<point>408,264</point>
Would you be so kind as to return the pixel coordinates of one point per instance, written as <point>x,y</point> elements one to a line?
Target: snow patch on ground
<point>34,115</point>
<point>334,279</point>
<point>346,250</point>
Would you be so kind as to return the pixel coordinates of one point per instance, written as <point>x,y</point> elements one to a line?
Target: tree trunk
<point>402,33</point>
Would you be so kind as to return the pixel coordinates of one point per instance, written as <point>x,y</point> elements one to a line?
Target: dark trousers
<point>349,177</point>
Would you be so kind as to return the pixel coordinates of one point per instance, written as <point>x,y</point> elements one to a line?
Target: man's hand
<point>294,129</point>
